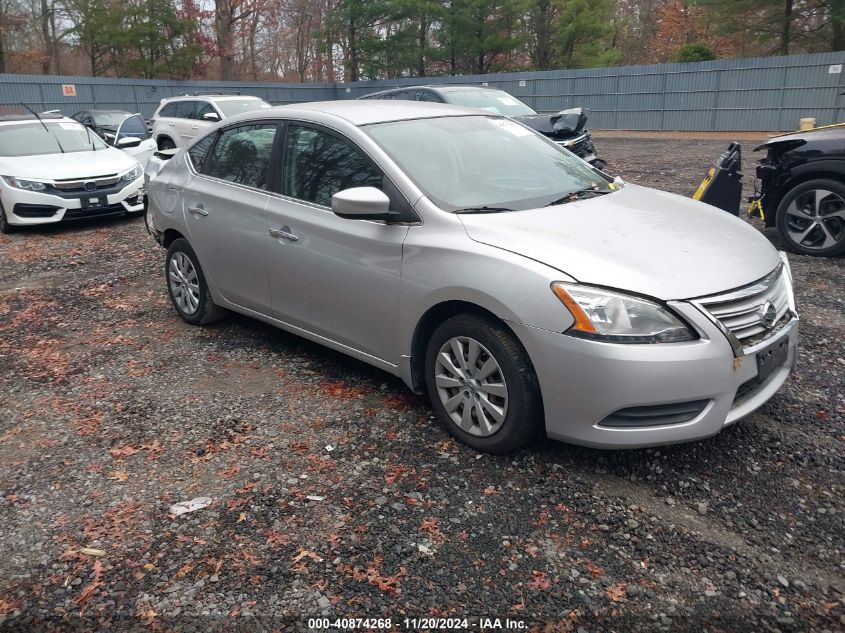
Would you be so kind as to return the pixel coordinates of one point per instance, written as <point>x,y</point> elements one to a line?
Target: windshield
<point>484,161</point>
<point>134,126</point>
<point>109,119</point>
<point>495,101</point>
<point>31,139</point>
<point>231,107</point>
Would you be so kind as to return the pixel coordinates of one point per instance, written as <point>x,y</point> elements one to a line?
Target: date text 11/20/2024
<point>413,624</point>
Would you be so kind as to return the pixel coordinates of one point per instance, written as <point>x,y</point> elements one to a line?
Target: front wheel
<point>482,385</point>
<point>187,286</point>
<point>5,227</point>
<point>811,218</point>
<point>165,143</point>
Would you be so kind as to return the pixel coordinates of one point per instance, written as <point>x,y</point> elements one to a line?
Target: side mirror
<point>211,116</point>
<point>361,203</point>
<point>128,141</point>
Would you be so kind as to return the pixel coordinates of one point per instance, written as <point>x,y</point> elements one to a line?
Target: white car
<point>53,168</point>
<point>179,119</point>
<point>114,125</point>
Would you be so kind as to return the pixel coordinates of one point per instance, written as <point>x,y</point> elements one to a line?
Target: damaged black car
<point>802,189</point>
<point>567,128</point>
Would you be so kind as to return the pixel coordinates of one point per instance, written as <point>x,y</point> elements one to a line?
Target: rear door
<point>225,205</point>
<point>334,277</point>
<point>186,121</point>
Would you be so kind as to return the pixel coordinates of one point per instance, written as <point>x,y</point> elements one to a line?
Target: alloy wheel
<point>815,219</point>
<point>184,282</point>
<point>471,386</point>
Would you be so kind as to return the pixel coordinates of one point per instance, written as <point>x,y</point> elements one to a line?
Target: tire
<point>165,142</point>
<point>511,388</point>
<point>187,287</point>
<point>811,218</point>
<point>5,227</point>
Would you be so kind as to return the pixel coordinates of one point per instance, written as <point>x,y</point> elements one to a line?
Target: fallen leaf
<point>91,551</point>
<point>118,475</point>
<point>617,592</point>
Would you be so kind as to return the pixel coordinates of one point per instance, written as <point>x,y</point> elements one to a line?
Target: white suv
<point>179,119</point>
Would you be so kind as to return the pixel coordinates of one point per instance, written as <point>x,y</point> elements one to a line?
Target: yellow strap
<point>704,184</point>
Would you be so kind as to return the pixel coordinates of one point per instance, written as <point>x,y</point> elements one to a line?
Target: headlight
<point>132,174</point>
<point>29,185</point>
<point>612,316</point>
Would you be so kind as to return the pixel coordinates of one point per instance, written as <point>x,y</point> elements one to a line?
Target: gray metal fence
<point>769,93</point>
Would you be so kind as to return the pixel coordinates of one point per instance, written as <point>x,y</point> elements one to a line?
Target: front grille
<point>742,311</point>
<point>654,415</point>
<point>78,185</point>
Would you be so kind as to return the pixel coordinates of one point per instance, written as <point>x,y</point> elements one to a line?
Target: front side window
<point>205,108</point>
<point>478,162</point>
<point>133,126</point>
<point>427,95</point>
<point>242,155</point>
<point>199,150</point>
<point>317,165</point>
<point>59,137</point>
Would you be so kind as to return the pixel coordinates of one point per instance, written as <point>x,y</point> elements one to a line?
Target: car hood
<point>794,139</point>
<point>67,166</point>
<point>564,123</point>
<point>636,239</point>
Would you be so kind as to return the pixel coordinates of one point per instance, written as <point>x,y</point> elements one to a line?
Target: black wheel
<point>165,142</point>
<point>482,385</point>
<point>187,286</point>
<point>5,227</point>
<point>811,217</point>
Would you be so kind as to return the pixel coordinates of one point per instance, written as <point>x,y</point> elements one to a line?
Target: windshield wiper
<point>44,125</point>
<point>579,194</point>
<point>484,209</point>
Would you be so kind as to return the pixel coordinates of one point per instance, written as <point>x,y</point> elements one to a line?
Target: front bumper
<point>584,383</point>
<point>30,208</point>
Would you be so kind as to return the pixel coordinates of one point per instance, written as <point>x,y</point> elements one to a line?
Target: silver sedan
<point>525,291</point>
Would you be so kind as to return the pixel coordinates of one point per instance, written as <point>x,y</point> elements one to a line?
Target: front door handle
<point>198,211</point>
<point>283,234</point>
<point>174,188</point>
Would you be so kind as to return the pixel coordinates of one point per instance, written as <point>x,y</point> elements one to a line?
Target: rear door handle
<point>195,127</point>
<point>283,234</point>
<point>198,211</point>
<point>174,188</point>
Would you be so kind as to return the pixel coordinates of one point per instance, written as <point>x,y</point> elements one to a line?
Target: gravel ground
<point>335,493</point>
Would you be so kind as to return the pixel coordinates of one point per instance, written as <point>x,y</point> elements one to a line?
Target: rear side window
<point>199,151</point>
<point>317,165</point>
<point>186,109</point>
<point>428,95</point>
<point>168,110</point>
<point>242,155</point>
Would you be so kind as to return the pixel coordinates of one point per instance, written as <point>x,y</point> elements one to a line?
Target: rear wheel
<point>165,143</point>
<point>811,217</point>
<point>482,385</point>
<point>187,286</point>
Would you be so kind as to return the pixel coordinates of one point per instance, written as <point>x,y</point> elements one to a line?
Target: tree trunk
<point>46,61</point>
<point>223,29</point>
<point>837,24</point>
<point>2,50</point>
<point>352,60</point>
<point>787,24</point>
<point>421,54</point>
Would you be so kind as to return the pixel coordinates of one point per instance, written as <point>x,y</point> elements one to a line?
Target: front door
<point>225,208</point>
<point>334,277</point>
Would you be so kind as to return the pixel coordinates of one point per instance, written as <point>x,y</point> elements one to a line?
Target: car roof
<point>435,88</point>
<point>6,119</point>
<point>364,112</point>
<point>104,112</point>
<point>213,97</point>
